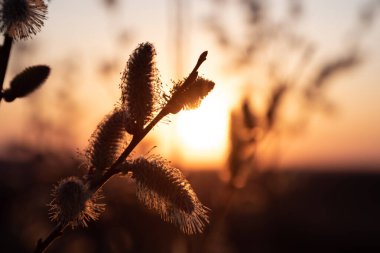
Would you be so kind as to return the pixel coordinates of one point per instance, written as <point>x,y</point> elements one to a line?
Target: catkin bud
<point>189,97</point>
<point>165,190</point>
<point>26,82</point>
<point>107,142</point>
<point>20,19</point>
<point>73,204</point>
<point>139,87</point>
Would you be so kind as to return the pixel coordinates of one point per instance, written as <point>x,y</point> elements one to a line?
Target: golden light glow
<point>202,133</point>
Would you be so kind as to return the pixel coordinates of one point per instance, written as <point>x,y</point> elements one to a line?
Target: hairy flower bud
<point>73,204</point>
<point>165,190</point>
<point>107,142</point>
<point>26,82</point>
<point>191,96</point>
<point>139,87</point>
<point>22,18</point>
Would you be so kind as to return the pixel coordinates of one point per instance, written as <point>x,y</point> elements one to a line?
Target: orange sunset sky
<point>79,36</point>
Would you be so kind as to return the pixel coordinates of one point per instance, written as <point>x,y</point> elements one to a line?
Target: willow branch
<point>138,137</point>
<point>114,169</point>
<point>4,59</point>
<point>42,245</point>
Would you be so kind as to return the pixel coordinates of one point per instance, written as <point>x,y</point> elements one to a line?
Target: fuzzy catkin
<point>165,190</point>
<point>106,142</point>
<point>26,82</point>
<point>190,97</point>
<point>73,204</point>
<point>139,87</point>
<point>21,19</point>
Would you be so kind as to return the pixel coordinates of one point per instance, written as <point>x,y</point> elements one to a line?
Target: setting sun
<point>202,133</point>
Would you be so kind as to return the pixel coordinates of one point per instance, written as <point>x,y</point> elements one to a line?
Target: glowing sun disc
<point>203,131</point>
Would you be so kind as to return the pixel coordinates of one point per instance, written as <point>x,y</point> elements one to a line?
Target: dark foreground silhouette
<point>293,211</point>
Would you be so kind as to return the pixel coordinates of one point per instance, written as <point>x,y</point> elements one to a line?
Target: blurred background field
<point>285,150</point>
<point>292,211</point>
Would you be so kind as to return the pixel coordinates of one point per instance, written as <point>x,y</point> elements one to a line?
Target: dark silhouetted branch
<point>4,58</point>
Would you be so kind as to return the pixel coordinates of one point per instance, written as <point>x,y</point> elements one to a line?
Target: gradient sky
<point>83,32</point>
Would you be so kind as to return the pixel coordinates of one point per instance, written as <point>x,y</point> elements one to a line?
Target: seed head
<point>73,204</point>
<point>165,190</point>
<point>22,18</point>
<point>139,87</point>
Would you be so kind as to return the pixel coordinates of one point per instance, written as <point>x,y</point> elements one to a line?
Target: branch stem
<point>4,59</point>
<point>114,169</point>
<point>42,245</point>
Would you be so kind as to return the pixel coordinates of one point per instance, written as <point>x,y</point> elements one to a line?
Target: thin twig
<point>4,59</point>
<point>42,245</point>
<point>135,141</point>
